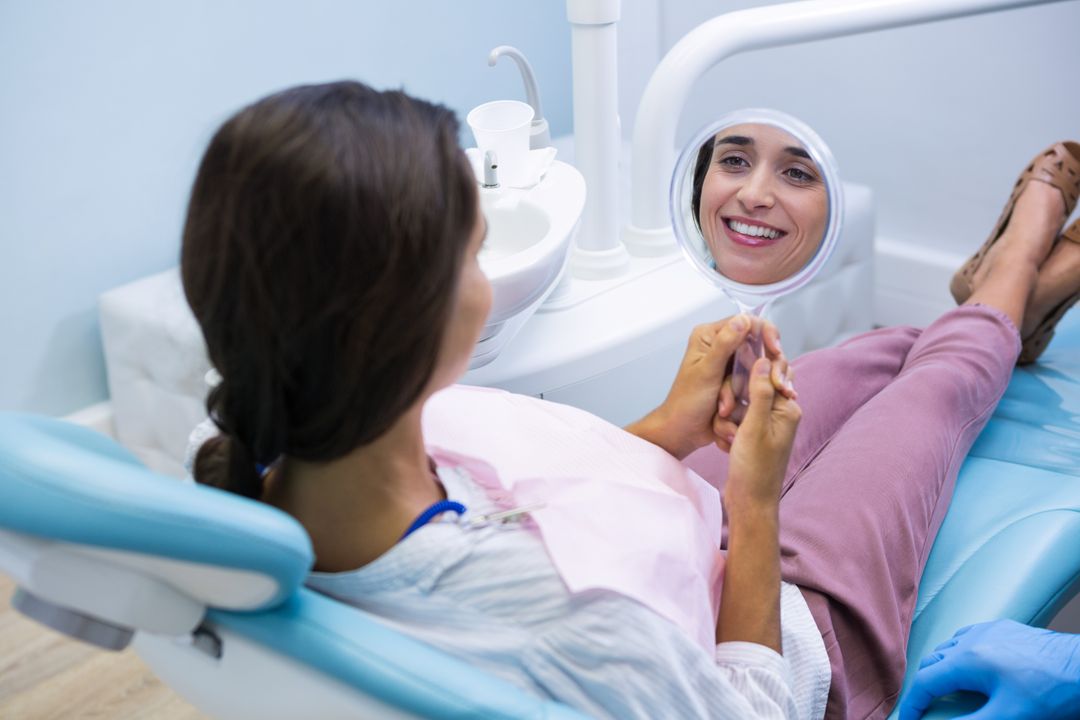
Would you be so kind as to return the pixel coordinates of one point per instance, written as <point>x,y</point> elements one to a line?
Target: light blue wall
<point>105,107</point>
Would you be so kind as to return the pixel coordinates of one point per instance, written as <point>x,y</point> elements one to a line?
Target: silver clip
<point>503,516</point>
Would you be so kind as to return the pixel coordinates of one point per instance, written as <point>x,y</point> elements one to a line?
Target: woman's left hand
<point>697,409</point>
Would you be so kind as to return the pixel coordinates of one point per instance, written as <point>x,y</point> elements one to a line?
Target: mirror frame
<point>686,227</point>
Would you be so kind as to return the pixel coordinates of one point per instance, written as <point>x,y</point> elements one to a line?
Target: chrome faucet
<point>539,135</point>
<point>491,170</point>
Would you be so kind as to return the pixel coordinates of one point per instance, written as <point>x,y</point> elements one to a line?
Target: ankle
<point>1028,256</point>
<point>1009,288</point>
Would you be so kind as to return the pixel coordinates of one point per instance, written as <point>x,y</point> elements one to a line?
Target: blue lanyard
<point>425,517</point>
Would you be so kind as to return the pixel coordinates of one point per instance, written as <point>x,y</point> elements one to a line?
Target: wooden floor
<point>44,675</point>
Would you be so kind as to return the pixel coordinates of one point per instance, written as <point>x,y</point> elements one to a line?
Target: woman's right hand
<point>762,445</point>
<point>750,599</point>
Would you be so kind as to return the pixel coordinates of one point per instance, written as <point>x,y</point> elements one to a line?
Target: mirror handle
<point>752,348</point>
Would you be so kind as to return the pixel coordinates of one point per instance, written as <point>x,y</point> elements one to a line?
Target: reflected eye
<point>733,162</point>
<point>799,175</point>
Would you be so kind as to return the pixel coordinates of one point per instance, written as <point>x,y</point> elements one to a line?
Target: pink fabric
<point>604,491</point>
<point>888,418</point>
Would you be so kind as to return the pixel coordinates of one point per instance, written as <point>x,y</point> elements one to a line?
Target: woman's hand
<point>750,599</point>
<point>684,421</point>
<point>731,412</point>
<point>762,445</point>
<point>698,408</point>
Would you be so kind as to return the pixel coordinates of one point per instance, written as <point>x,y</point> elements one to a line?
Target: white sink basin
<point>528,242</point>
<point>511,229</point>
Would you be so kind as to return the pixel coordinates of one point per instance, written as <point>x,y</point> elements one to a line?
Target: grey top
<point>491,596</point>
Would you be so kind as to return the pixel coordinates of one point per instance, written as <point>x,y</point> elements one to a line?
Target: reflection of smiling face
<point>764,204</point>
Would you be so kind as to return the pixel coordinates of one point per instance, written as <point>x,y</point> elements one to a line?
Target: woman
<point>329,256</point>
<point>760,202</point>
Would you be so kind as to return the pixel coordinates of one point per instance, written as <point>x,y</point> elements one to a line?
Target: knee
<point>958,382</point>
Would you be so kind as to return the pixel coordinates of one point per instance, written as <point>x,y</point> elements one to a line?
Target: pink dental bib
<point>618,512</point>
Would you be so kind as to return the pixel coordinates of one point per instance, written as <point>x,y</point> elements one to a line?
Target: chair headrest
<point>63,482</point>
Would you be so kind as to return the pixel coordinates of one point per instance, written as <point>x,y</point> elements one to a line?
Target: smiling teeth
<point>754,230</point>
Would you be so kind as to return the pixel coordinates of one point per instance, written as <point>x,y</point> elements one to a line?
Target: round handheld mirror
<point>756,205</point>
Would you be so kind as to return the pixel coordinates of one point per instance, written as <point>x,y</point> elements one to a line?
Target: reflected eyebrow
<point>734,140</point>
<point>743,140</point>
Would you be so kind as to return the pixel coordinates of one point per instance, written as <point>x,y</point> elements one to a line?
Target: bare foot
<point>1059,278</point>
<point>1035,222</point>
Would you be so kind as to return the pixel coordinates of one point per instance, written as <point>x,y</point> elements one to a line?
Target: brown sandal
<point>1040,337</point>
<point>1058,165</point>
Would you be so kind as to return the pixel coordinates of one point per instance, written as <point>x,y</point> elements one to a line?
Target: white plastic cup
<point>503,126</point>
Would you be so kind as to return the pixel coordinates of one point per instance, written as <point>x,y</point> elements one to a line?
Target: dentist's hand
<point>1026,673</point>
<point>762,446</point>
<point>689,417</point>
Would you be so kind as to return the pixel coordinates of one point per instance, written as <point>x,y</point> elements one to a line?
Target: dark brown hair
<point>701,167</point>
<point>324,238</point>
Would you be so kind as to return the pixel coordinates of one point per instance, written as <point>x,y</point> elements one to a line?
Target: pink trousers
<point>888,418</point>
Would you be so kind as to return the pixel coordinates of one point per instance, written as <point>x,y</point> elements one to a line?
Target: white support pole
<point>597,252</point>
<point>753,29</point>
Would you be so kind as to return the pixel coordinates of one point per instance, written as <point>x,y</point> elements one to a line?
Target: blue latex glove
<point>1024,671</point>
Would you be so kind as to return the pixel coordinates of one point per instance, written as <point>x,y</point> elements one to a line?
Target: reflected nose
<point>757,191</point>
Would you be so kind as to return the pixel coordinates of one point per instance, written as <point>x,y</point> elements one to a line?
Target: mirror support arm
<point>597,252</point>
<point>753,29</point>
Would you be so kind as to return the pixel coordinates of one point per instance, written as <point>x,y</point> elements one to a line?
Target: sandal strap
<point>1058,165</point>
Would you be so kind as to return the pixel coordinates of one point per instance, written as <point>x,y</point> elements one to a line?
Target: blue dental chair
<point>209,586</point>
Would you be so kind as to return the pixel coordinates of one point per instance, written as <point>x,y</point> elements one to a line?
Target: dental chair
<point>208,586</point>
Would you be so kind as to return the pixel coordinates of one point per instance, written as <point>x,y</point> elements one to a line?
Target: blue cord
<point>425,517</point>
